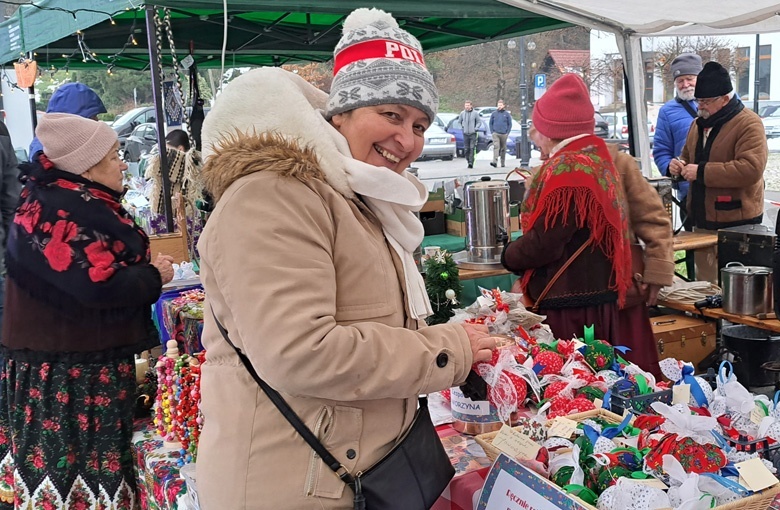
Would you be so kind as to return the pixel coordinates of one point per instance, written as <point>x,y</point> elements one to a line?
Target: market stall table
<point>694,240</point>
<point>161,486</point>
<point>718,313</point>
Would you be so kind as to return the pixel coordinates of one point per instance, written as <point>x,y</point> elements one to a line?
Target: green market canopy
<point>265,32</point>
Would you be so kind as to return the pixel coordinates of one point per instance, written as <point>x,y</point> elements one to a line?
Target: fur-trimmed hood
<point>271,119</point>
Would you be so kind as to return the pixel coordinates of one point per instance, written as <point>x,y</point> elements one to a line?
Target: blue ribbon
<point>590,433</point>
<point>725,364</point>
<point>538,368</point>
<point>730,484</point>
<point>607,403</point>
<point>777,395</point>
<point>696,391</point>
<point>622,349</point>
<point>611,432</point>
<point>729,470</point>
<point>721,441</point>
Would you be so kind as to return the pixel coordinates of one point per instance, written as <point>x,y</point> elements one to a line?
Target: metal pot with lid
<point>486,206</point>
<point>747,290</point>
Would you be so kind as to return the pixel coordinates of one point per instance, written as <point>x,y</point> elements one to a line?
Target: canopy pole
<point>757,76</point>
<point>634,67</point>
<point>31,97</point>
<point>155,68</point>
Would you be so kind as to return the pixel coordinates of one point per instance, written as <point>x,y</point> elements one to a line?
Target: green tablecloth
<point>471,287</point>
<point>471,292</point>
<point>452,243</point>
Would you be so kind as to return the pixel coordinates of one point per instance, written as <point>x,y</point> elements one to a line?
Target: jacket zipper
<point>314,457</point>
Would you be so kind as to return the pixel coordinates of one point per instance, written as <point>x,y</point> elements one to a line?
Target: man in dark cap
<point>675,117</point>
<point>723,158</point>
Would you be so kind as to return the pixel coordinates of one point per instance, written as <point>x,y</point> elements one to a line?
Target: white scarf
<point>393,198</point>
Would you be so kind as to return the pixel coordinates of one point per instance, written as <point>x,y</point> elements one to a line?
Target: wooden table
<point>718,313</point>
<point>473,274</point>
<point>694,240</point>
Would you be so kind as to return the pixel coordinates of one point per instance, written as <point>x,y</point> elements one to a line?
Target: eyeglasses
<point>708,101</point>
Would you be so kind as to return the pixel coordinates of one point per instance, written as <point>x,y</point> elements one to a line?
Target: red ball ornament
<point>551,362</point>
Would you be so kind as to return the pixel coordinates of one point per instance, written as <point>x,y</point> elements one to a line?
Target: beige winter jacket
<point>298,271</point>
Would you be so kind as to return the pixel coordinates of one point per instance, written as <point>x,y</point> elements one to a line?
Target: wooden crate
<point>174,245</point>
<point>683,338</point>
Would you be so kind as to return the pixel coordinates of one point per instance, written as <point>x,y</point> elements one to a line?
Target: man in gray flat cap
<point>675,117</point>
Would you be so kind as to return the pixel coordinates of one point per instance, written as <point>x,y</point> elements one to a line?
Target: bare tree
<point>719,49</point>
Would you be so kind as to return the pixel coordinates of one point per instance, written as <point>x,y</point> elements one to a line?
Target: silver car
<point>439,144</point>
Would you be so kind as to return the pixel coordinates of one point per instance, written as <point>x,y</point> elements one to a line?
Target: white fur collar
<point>272,99</point>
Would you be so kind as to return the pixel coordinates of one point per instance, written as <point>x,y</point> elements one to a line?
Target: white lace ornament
<point>628,494</point>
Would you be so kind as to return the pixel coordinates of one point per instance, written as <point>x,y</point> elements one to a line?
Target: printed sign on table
<point>511,486</point>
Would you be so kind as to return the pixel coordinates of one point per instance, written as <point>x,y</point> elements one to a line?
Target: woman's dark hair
<point>178,137</point>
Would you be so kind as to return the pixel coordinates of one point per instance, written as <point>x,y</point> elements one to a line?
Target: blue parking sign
<point>540,81</point>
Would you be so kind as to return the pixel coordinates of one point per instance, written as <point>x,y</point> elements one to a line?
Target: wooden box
<point>174,245</point>
<point>684,338</point>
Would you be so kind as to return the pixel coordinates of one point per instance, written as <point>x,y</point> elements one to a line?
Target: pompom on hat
<point>74,144</point>
<point>713,81</point>
<point>565,109</point>
<point>377,62</point>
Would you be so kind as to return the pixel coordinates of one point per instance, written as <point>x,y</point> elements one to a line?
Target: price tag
<point>187,61</point>
<point>754,475</point>
<point>681,393</point>
<point>578,344</point>
<point>562,427</point>
<point>598,403</point>
<point>515,444</point>
<point>650,482</point>
<point>757,415</point>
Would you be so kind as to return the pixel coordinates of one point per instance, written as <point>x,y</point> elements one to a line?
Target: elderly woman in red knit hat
<point>574,256</point>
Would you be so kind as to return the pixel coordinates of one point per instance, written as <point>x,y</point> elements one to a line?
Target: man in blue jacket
<point>500,126</point>
<point>675,119</point>
<point>75,98</point>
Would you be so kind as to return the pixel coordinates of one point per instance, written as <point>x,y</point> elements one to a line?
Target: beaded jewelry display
<point>165,401</point>
<point>188,418</point>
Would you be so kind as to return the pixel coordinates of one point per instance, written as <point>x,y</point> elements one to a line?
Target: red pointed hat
<point>565,109</point>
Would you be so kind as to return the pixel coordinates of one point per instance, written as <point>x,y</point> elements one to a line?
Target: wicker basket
<point>760,501</point>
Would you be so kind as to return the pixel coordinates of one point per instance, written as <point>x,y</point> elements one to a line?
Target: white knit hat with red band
<point>377,62</point>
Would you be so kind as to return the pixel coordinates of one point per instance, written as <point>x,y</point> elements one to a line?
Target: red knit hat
<point>565,109</point>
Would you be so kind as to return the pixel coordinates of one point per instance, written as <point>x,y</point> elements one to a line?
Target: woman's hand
<point>482,344</point>
<point>164,264</point>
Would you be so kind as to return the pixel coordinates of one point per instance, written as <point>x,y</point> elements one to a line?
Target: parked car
<point>438,144</point>
<point>618,126</point>
<point>444,118</point>
<point>772,124</point>
<point>484,136</point>
<point>601,128</point>
<point>485,111</point>
<point>140,142</point>
<point>765,108</point>
<point>125,124</point>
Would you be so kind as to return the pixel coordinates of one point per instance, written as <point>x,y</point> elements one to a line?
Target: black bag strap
<point>288,413</point>
<point>687,106</point>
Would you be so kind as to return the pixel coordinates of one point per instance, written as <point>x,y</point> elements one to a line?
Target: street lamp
<point>525,150</point>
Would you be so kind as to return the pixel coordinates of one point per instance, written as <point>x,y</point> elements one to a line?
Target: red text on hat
<point>379,48</point>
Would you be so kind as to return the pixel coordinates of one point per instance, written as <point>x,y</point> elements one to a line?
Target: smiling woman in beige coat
<point>306,261</point>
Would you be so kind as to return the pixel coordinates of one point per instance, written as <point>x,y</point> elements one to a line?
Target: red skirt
<point>630,328</point>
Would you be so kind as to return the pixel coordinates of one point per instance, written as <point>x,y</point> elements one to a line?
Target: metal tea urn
<point>486,207</point>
